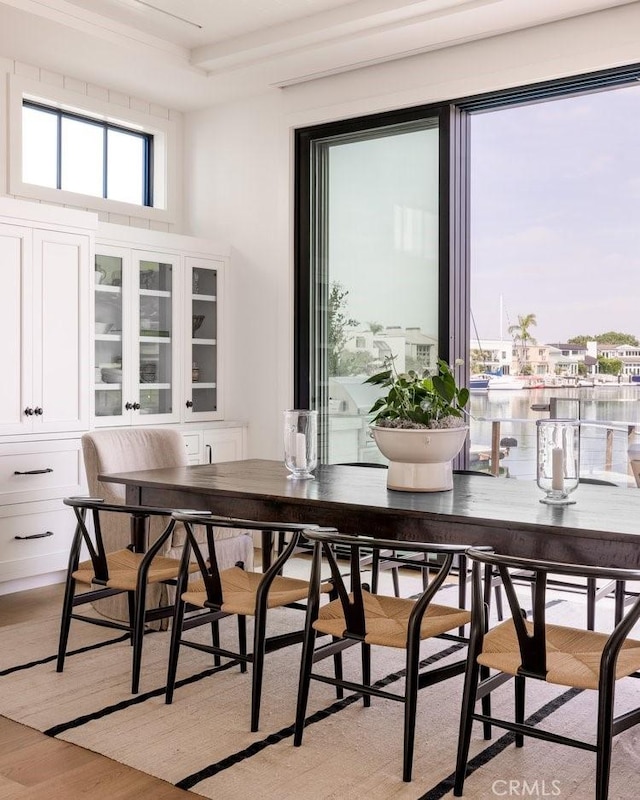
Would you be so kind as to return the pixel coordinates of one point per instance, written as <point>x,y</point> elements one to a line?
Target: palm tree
<point>522,337</point>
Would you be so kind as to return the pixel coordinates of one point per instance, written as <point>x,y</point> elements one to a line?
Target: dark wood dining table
<point>602,528</point>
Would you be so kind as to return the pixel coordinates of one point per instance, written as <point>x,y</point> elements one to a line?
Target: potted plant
<point>419,425</point>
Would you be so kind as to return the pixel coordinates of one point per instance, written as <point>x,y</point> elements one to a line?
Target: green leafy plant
<point>419,401</point>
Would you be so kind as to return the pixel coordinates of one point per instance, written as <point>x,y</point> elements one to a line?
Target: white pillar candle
<point>301,451</point>
<point>557,469</point>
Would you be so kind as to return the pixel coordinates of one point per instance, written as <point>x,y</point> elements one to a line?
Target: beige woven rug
<point>202,742</point>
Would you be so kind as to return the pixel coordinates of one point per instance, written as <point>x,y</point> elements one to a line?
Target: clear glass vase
<point>300,442</point>
<point>558,459</point>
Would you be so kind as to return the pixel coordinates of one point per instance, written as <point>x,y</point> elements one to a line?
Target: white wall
<point>239,177</point>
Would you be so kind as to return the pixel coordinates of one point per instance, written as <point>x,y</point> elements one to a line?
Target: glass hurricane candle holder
<point>558,459</point>
<point>300,442</point>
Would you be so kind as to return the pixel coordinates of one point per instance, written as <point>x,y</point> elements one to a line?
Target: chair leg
<point>174,648</point>
<point>259,635</point>
<point>242,640</point>
<point>365,651</point>
<point>519,685</point>
<point>215,641</point>
<point>137,638</point>
<point>131,603</point>
<point>410,709</point>
<point>306,665</point>
<point>466,722</point>
<point>65,621</point>
<point>486,705</point>
<point>337,670</point>
<point>604,737</point>
<point>591,604</point>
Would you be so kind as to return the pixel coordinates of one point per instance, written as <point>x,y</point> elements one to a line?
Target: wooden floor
<point>33,765</point>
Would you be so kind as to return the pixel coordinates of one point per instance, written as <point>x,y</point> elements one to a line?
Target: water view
<point>606,412</point>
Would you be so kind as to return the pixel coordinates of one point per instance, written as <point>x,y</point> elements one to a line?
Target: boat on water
<point>506,382</point>
<point>479,382</point>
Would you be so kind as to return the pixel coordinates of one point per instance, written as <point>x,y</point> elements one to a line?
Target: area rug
<point>202,741</point>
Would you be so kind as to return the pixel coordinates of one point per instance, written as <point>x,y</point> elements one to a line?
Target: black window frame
<point>452,249</point>
<point>147,148</point>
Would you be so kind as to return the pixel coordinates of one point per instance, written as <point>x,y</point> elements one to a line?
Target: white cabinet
<point>36,529</point>
<point>136,342</point>
<point>44,328</point>
<point>203,282</point>
<point>158,326</point>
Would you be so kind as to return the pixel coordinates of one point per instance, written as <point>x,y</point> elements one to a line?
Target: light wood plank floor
<point>33,765</point>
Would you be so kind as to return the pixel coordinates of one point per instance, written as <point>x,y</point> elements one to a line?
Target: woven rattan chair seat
<point>123,570</point>
<point>573,656</point>
<point>239,589</point>
<point>387,619</point>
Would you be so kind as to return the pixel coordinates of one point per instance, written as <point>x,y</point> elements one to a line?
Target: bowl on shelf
<point>111,375</point>
<point>196,322</point>
<point>103,327</point>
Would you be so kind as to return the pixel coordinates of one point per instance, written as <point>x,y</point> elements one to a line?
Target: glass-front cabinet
<point>136,369</point>
<point>201,355</point>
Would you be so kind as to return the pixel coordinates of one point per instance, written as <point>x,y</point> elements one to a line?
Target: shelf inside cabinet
<point>154,293</point>
<point>208,342</point>
<point>103,288</point>
<point>207,298</point>
<point>154,386</point>
<point>107,387</point>
<point>203,385</point>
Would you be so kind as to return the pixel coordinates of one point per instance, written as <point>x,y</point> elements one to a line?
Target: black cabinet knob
<point>189,404</point>
<point>136,406</point>
<point>38,411</point>
<point>128,406</point>
<point>28,411</point>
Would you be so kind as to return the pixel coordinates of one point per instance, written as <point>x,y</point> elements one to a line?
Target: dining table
<point>601,528</point>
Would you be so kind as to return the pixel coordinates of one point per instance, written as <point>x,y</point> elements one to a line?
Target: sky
<point>555,216</point>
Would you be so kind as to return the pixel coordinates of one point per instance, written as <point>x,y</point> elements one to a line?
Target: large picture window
<point>373,269</point>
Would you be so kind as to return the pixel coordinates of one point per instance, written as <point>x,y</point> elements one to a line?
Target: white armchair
<point>129,449</point>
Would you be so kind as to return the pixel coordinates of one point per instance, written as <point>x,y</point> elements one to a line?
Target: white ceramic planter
<point>420,458</point>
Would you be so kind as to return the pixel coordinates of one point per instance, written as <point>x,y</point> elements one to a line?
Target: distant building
<point>564,357</point>
<point>628,354</point>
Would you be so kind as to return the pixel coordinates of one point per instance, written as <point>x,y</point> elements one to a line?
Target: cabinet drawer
<point>40,471</point>
<point>21,558</point>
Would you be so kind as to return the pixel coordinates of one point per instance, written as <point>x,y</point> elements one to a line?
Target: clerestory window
<point>89,156</point>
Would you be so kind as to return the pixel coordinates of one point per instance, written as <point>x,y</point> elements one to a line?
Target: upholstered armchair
<point>129,449</point>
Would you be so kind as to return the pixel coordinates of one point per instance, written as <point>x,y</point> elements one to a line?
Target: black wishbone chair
<point>213,594</point>
<point>128,571</point>
<point>360,617</point>
<point>539,650</point>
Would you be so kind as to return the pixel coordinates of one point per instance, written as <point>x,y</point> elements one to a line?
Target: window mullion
<point>59,153</point>
<point>105,161</point>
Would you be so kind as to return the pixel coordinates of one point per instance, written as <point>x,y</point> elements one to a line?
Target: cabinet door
<point>224,444</point>
<point>61,331</point>
<point>202,367</point>
<point>113,286</point>
<point>16,329</point>
<point>155,358</point>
